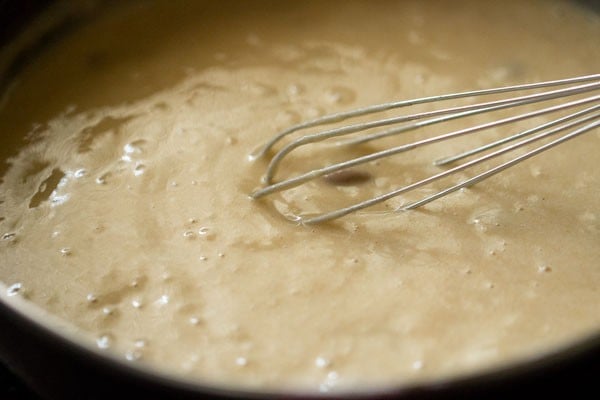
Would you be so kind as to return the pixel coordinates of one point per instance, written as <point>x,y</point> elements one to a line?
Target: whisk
<point>579,121</point>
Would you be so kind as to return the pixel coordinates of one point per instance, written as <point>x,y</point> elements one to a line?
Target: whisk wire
<point>440,116</point>
<point>309,220</point>
<point>342,116</point>
<point>319,172</point>
<point>493,171</point>
<point>419,120</point>
<point>460,156</point>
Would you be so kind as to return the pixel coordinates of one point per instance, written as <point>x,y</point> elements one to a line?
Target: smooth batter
<point>125,210</point>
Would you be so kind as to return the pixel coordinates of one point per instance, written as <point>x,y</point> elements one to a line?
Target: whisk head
<point>574,110</point>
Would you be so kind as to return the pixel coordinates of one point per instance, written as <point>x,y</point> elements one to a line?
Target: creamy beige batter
<point>125,210</point>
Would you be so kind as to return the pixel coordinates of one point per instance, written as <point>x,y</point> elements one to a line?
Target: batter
<point>124,203</point>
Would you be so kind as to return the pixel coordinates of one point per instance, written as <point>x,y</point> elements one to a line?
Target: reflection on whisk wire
<point>580,121</point>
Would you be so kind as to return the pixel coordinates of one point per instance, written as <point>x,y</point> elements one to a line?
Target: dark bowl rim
<point>20,311</point>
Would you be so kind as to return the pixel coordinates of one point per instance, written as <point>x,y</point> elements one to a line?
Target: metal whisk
<point>566,127</point>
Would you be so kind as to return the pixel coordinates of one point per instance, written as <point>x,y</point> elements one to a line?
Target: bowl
<point>57,364</point>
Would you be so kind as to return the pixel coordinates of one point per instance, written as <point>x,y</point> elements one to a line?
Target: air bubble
<point>108,311</point>
<point>207,233</point>
<point>133,355</point>
<point>194,320</point>
<point>140,343</point>
<point>9,236</point>
<point>544,268</point>
<point>101,180</point>
<point>104,342</point>
<point>56,199</point>
<point>330,381</point>
<point>322,362</point>
<point>91,298</point>
<point>163,300</point>
<point>332,375</point>
<point>139,169</point>
<point>80,173</point>
<point>14,289</point>
<point>129,149</point>
<point>135,147</point>
<point>241,361</point>
<point>136,303</point>
<point>483,221</point>
<point>189,235</point>
<point>65,251</point>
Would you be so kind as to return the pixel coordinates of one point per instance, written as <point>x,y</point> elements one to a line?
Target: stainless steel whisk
<point>567,126</point>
